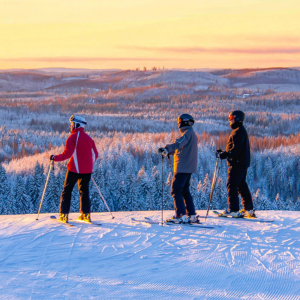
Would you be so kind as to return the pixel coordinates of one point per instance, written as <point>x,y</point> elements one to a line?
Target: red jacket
<point>81,150</point>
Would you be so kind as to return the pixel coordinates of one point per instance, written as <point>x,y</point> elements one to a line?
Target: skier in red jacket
<point>81,151</point>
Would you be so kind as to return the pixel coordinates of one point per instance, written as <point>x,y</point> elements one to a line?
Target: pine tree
<point>123,204</point>
<point>264,202</point>
<point>270,177</point>
<point>219,200</point>
<point>94,198</point>
<point>12,208</point>
<point>142,182</point>
<point>199,197</point>
<point>37,186</point>
<point>255,199</point>
<point>279,203</point>
<point>22,200</point>
<point>156,189</point>
<point>297,205</point>
<point>50,200</point>
<point>290,205</point>
<point>130,192</point>
<point>4,191</point>
<point>274,203</point>
<point>112,190</point>
<point>206,188</point>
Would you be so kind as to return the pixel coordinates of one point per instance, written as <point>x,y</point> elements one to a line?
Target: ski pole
<point>213,184</point>
<point>170,164</point>
<point>45,187</point>
<point>102,197</point>
<point>162,190</point>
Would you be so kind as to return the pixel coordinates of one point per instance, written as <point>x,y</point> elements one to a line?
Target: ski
<point>57,220</point>
<point>185,224</point>
<point>199,225</point>
<point>85,222</point>
<point>145,220</point>
<point>149,221</point>
<point>220,215</point>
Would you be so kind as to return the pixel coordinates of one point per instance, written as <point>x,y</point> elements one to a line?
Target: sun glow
<point>162,33</point>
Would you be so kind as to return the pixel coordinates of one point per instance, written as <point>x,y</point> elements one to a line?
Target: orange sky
<point>163,33</point>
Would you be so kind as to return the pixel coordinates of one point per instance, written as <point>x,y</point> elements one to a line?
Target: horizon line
<point>148,69</point>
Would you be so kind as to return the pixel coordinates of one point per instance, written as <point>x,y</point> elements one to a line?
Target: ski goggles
<point>231,117</point>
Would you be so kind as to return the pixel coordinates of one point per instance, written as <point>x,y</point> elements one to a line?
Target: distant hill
<point>150,82</point>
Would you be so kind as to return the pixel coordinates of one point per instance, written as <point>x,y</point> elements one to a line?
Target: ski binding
<point>256,219</point>
<point>57,220</point>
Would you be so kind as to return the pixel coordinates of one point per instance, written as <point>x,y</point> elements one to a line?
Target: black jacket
<point>238,148</point>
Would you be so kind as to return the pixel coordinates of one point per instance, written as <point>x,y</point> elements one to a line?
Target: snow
<point>238,259</point>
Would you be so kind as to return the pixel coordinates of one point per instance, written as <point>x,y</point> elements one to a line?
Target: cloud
<point>273,39</point>
<point>81,59</point>
<point>288,50</point>
<point>222,38</point>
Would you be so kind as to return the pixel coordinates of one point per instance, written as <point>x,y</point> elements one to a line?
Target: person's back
<point>239,138</point>
<point>185,158</point>
<point>185,151</point>
<point>81,151</point>
<point>237,153</point>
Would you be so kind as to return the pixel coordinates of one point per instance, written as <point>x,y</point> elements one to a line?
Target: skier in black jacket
<point>237,153</point>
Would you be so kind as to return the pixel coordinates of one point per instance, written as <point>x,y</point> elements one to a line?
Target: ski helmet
<point>185,120</point>
<point>78,121</point>
<point>237,115</point>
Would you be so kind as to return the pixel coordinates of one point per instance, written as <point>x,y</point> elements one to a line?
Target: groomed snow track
<point>129,260</point>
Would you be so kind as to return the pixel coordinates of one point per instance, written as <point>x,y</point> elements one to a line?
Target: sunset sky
<point>128,34</point>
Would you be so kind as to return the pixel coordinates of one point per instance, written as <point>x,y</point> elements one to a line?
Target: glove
<point>52,157</point>
<point>223,155</point>
<point>218,152</point>
<point>163,151</point>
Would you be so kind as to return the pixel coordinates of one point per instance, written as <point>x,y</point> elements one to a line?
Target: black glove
<point>223,155</point>
<point>218,152</point>
<point>52,157</point>
<point>163,151</point>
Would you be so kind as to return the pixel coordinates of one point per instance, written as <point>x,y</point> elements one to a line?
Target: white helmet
<point>78,121</point>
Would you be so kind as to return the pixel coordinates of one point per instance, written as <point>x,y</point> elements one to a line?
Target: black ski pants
<point>236,184</point>
<point>180,191</point>
<point>83,187</point>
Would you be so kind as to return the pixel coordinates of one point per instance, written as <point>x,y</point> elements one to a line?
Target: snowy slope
<point>124,260</point>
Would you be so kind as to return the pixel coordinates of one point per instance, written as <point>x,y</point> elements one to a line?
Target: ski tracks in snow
<point>127,260</point>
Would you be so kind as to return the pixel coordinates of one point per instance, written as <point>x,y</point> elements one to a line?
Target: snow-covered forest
<point>130,114</point>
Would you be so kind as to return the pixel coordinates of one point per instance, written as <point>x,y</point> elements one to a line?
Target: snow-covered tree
<point>4,191</point>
